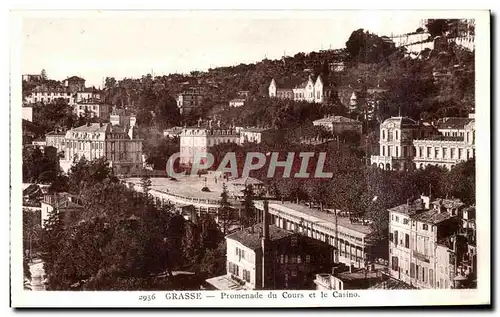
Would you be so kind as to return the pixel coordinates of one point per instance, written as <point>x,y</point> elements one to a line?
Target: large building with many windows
<point>198,139</point>
<point>95,140</point>
<point>409,144</point>
<point>189,100</point>
<point>426,246</point>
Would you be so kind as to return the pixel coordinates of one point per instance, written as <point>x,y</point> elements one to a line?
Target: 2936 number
<point>147,298</point>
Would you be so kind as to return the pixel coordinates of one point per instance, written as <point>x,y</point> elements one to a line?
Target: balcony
<point>421,256</point>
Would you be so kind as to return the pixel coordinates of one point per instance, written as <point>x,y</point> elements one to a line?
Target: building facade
<point>257,135</point>
<point>45,94</point>
<point>95,140</point>
<point>267,257</point>
<point>310,90</point>
<point>339,124</point>
<point>94,108</point>
<point>57,140</point>
<point>407,144</point>
<point>74,83</point>
<point>199,139</point>
<point>417,254</point>
<point>62,202</point>
<point>189,100</point>
<point>353,243</point>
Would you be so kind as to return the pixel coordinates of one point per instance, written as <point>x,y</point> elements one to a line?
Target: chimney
<point>265,246</point>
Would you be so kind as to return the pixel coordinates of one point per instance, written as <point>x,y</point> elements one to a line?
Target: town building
<point>173,132</point>
<point>257,135</point>
<point>339,124</point>
<point>122,148</point>
<point>337,66</point>
<point>57,140</point>
<point>267,257</point>
<point>189,100</point>
<point>32,77</point>
<point>65,203</point>
<point>89,94</point>
<point>348,278</point>
<point>74,84</point>
<point>237,102</point>
<point>354,242</point>
<point>47,94</point>
<point>243,94</point>
<point>309,90</point>
<point>94,108</point>
<point>424,242</point>
<point>200,138</point>
<point>397,148</point>
<point>27,113</point>
<point>122,118</point>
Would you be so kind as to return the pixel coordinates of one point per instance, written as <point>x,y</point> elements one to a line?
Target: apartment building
<point>189,100</point>
<point>421,238</point>
<point>200,138</point>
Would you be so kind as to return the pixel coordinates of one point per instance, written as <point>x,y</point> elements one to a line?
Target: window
<point>383,150</point>
<point>431,277</point>
<point>383,134</point>
<point>412,270</point>
<point>421,150</point>
<point>397,134</point>
<point>390,136</point>
<point>397,151</point>
<point>445,154</point>
<point>293,259</point>
<point>452,153</point>
<point>286,258</point>
<point>299,259</point>
<point>282,259</point>
<point>416,272</point>
<point>407,241</point>
<point>246,275</point>
<point>460,154</point>
<point>425,226</point>
<point>429,151</point>
<point>396,237</point>
<point>391,237</point>
<point>436,152</point>
<point>395,263</point>
<point>294,241</point>
<point>308,258</point>
<point>424,274</point>
<point>405,221</point>
<point>468,153</point>
<point>405,154</point>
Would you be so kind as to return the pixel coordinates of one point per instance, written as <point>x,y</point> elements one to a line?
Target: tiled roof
<point>255,129</point>
<point>409,209</point>
<point>93,127</point>
<point>452,123</point>
<point>252,239</point>
<point>246,181</point>
<point>432,216</point>
<point>402,121</point>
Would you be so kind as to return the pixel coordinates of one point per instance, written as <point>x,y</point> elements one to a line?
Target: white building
<point>235,103</point>
<point>408,144</point>
<point>416,231</point>
<point>309,90</point>
<point>339,124</point>
<point>199,139</point>
<point>256,135</point>
<point>95,109</point>
<point>44,94</point>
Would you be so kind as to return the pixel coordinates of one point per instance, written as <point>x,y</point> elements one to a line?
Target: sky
<point>114,45</point>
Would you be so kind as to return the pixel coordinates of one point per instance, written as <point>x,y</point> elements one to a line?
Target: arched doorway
<point>388,166</point>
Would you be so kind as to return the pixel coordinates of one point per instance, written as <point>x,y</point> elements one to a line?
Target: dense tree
<point>226,215</point>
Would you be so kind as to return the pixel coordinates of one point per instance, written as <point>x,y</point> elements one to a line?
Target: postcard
<point>250,158</point>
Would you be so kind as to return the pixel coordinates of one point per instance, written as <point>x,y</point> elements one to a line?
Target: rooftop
<point>401,121</point>
<point>255,129</point>
<point>93,127</point>
<point>336,119</point>
<point>448,203</point>
<point>75,78</point>
<point>442,138</point>
<point>245,181</point>
<point>318,217</point>
<point>452,123</point>
<point>432,216</point>
<point>251,237</point>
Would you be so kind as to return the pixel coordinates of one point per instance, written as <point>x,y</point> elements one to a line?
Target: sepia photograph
<point>250,158</point>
